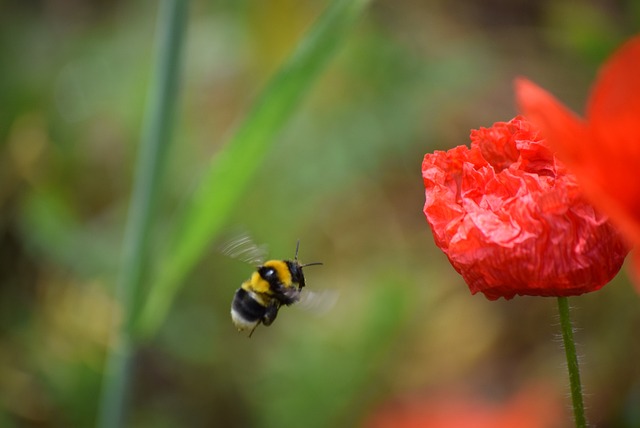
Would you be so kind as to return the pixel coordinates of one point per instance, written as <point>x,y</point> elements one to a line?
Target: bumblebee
<point>275,283</point>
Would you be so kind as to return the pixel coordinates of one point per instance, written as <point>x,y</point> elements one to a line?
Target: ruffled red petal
<point>511,219</point>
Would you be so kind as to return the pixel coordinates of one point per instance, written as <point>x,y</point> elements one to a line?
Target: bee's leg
<point>287,295</point>
<point>270,314</point>
<point>254,329</point>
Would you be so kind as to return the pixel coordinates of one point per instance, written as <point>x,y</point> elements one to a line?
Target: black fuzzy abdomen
<point>247,307</point>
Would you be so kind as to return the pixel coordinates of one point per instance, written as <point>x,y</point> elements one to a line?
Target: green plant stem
<point>572,363</point>
<point>149,170</point>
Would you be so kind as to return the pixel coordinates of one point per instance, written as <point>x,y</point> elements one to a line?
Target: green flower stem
<point>149,170</point>
<point>572,363</point>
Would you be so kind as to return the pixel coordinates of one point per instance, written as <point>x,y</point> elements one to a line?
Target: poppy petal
<point>633,268</point>
<point>603,176</point>
<point>613,109</point>
<point>613,115</point>
<point>563,129</point>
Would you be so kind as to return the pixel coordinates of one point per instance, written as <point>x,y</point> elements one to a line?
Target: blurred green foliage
<point>342,176</point>
<point>234,165</point>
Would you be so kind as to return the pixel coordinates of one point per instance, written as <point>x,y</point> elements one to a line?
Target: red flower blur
<point>535,407</point>
<point>511,218</point>
<point>602,150</point>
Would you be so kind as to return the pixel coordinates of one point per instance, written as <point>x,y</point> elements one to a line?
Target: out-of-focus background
<point>405,343</point>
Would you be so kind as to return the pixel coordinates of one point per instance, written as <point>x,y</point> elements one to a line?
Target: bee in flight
<point>273,284</point>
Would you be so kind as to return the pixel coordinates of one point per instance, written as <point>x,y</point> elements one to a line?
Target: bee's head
<point>296,268</point>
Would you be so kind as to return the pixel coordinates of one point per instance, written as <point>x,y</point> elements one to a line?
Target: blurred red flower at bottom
<point>535,407</point>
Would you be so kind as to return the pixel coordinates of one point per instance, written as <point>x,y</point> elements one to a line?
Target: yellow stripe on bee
<point>282,270</point>
<point>257,284</point>
<point>259,289</point>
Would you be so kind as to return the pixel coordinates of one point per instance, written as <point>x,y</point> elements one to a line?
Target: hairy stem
<point>572,363</point>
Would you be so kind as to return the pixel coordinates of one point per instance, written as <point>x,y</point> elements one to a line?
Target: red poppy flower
<point>511,218</point>
<point>602,150</point>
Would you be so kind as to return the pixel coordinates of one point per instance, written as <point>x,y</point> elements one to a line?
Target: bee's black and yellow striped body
<point>273,284</point>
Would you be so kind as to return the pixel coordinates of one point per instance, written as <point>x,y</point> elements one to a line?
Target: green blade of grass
<point>149,170</point>
<point>232,169</point>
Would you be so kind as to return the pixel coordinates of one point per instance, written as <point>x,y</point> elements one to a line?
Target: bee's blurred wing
<point>319,302</point>
<point>243,248</point>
